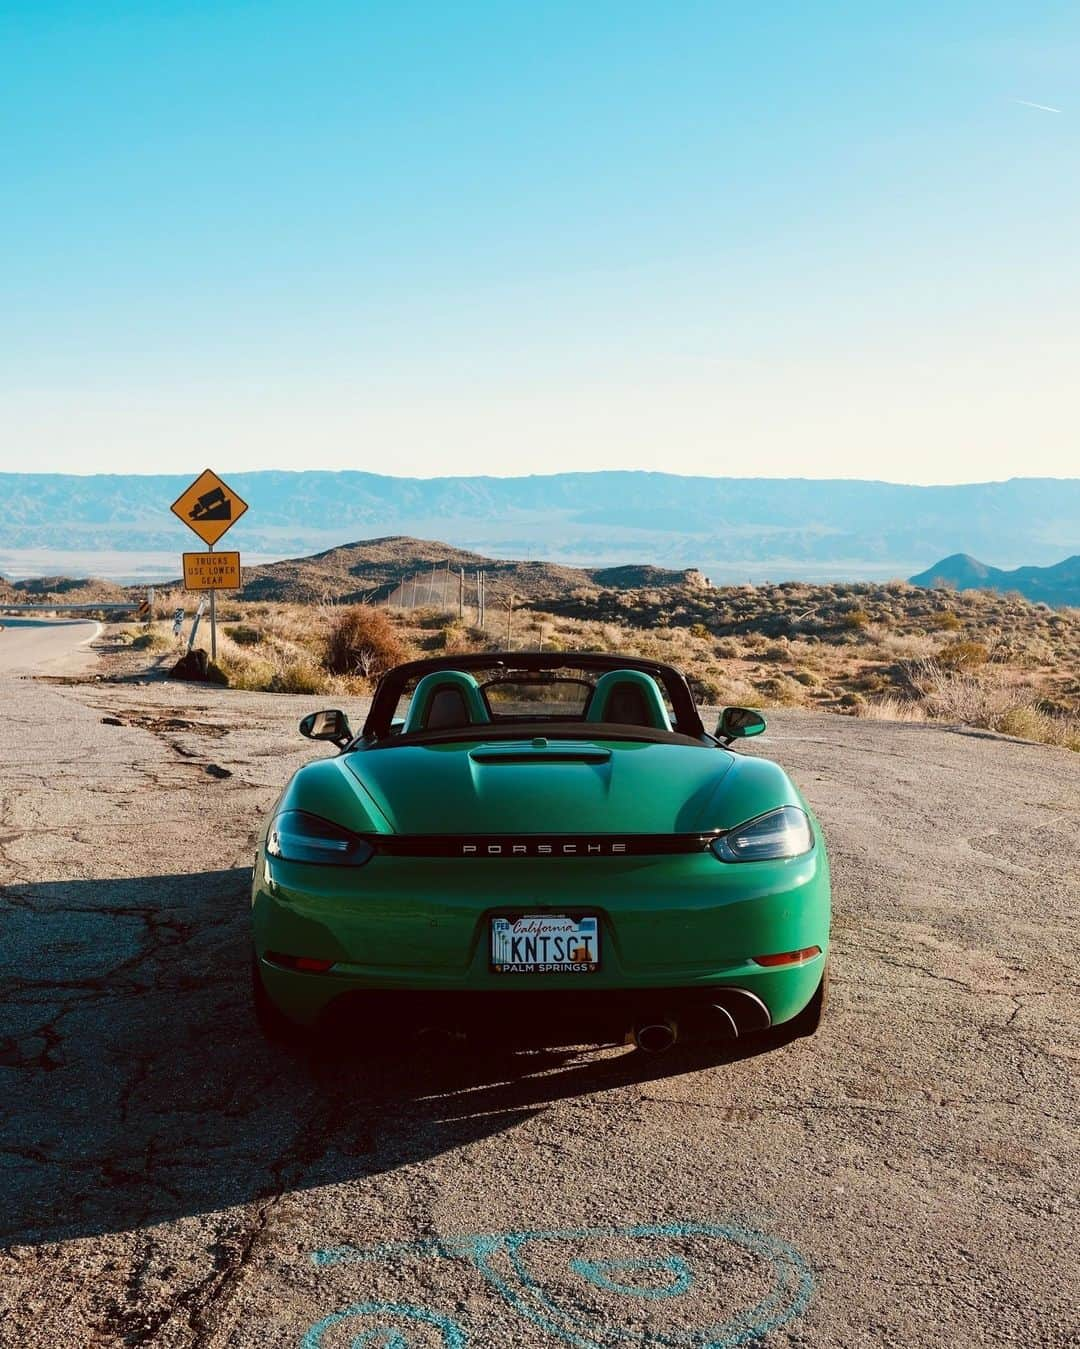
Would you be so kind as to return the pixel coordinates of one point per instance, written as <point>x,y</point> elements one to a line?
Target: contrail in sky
<point>1042,107</point>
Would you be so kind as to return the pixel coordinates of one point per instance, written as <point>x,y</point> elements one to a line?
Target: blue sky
<point>823,240</point>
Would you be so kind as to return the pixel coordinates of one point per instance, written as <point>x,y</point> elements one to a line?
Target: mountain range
<point>732,529</point>
<point>1057,585</point>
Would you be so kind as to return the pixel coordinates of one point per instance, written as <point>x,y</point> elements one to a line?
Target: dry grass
<point>1028,722</point>
<point>282,653</point>
<point>892,709</point>
<point>890,651</point>
<point>986,696</point>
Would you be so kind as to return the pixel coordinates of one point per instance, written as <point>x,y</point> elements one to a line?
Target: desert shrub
<point>430,617</point>
<point>780,691</point>
<point>151,640</point>
<point>455,637</point>
<point>872,681</point>
<point>300,676</point>
<point>963,655</point>
<point>243,635</point>
<point>945,621</point>
<point>976,697</point>
<point>699,630</point>
<point>709,692</point>
<point>1027,721</point>
<point>891,708</point>
<point>852,700</point>
<point>363,640</point>
<point>244,671</point>
<point>856,619</point>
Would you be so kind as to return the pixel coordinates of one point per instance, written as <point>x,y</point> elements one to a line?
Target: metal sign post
<point>213,619</point>
<point>210,507</point>
<point>195,621</point>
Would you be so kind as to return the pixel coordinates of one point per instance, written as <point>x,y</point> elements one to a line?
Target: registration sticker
<point>545,944</point>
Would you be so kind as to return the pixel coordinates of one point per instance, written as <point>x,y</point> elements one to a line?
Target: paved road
<point>906,1179</point>
<point>40,644</point>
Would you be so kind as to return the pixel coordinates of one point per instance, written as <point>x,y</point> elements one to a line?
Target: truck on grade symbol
<point>212,505</point>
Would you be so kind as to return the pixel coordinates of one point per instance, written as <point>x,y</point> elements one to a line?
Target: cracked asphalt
<point>908,1178</point>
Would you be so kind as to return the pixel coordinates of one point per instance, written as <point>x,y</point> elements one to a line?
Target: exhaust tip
<point>654,1037</point>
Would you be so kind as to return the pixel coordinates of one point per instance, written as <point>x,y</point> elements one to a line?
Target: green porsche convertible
<point>541,843</point>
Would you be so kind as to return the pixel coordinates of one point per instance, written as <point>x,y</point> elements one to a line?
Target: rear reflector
<point>789,957</point>
<point>305,964</point>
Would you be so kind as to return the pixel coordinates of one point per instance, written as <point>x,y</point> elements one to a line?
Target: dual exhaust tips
<point>651,1037</point>
<point>652,1034</point>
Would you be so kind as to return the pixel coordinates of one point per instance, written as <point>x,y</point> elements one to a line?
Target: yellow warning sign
<point>211,571</point>
<point>209,507</point>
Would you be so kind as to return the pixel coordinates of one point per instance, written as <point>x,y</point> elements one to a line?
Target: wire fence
<point>463,591</point>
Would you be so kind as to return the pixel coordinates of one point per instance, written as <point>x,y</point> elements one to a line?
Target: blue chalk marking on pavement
<point>788,1298</point>
<point>453,1337</point>
<point>793,1286</point>
<point>601,1273</point>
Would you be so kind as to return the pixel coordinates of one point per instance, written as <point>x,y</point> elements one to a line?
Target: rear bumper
<point>733,1003</point>
<point>677,933</point>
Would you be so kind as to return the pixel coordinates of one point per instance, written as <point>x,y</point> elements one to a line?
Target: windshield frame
<point>687,719</point>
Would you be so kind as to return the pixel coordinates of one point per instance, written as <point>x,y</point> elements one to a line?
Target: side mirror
<point>738,722</point>
<point>330,725</point>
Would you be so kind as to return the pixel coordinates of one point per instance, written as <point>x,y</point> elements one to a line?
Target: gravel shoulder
<point>907,1178</point>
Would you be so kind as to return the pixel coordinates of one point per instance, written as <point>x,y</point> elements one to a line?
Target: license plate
<point>545,944</point>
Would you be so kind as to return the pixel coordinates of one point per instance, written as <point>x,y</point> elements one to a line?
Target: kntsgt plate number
<point>545,944</point>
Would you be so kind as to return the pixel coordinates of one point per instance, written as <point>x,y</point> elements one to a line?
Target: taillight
<point>788,957</point>
<point>305,964</point>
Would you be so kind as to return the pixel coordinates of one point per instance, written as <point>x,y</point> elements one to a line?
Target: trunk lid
<point>533,787</point>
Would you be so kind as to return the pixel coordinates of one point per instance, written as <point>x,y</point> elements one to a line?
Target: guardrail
<point>70,608</point>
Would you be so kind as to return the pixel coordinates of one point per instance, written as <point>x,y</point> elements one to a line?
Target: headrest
<point>444,699</point>
<point>628,698</point>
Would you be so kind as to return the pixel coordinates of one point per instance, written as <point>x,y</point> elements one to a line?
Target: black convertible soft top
<point>395,681</point>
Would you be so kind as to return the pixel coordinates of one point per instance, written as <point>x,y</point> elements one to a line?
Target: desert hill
<point>1057,585</point>
<point>373,569</point>
<point>63,590</point>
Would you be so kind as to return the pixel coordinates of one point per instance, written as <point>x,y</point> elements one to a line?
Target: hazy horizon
<point>225,470</point>
<point>733,529</point>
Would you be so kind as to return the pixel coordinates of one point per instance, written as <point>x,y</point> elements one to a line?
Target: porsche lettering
<point>535,849</point>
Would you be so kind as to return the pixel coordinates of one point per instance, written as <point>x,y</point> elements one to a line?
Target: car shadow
<point>140,1089</point>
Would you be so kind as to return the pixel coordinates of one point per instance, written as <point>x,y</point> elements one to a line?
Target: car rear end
<point>597,930</point>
